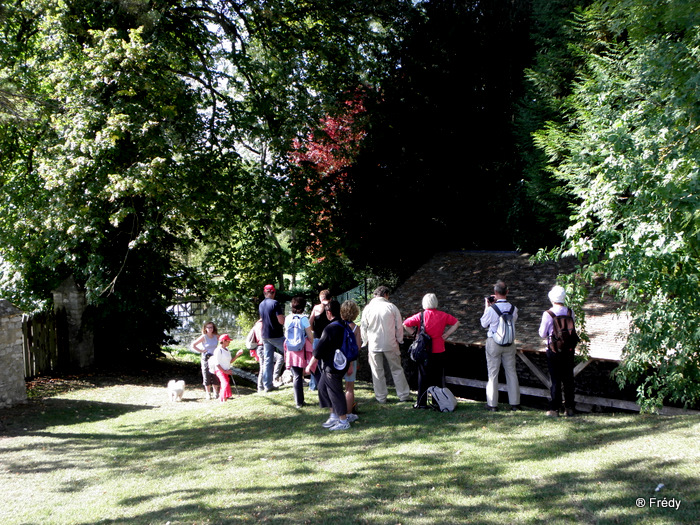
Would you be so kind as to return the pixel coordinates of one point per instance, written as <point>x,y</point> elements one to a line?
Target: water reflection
<point>192,316</point>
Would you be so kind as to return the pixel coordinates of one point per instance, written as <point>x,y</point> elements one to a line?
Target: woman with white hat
<point>560,361</point>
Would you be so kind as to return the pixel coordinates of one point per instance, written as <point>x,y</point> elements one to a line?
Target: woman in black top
<point>330,388</point>
<point>318,321</point>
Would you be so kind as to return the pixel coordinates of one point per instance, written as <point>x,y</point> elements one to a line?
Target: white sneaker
<point>352,418</point>
<point>340,425</point>
<point>331,421</point>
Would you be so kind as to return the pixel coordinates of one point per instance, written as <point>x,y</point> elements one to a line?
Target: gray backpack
<point>505,333</point>
<point>442,399</point>
<point>296,337</point>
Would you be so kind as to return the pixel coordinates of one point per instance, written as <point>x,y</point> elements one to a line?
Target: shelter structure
<point>461,280</point>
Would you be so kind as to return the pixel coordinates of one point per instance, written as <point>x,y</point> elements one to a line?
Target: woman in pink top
<point>435,321</point>
<point>297,360</point>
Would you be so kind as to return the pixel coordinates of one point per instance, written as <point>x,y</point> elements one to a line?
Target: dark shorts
<point>208,379</point>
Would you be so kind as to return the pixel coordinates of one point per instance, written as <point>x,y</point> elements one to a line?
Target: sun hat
<point>557,295</point>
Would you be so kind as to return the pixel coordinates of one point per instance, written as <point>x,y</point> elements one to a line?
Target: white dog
<point>176,389</point>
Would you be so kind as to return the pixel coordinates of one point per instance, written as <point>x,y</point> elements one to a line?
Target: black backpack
<point>564,336</point>
<point>421,346</point>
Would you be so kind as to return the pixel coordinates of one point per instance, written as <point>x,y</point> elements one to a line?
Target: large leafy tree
<point>542,206</point>
<point>629,154</point>
<point>322,162</point>
<point>286,68</point>
<point>137,133</point>
<point>107,150</point>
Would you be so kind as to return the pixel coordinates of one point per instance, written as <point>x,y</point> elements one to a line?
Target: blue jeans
<point>268,361</point>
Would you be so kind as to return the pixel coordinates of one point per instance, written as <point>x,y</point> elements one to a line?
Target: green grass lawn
<point>114,449</point>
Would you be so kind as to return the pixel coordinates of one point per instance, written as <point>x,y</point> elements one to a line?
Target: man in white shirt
<point>382,333</point>
<point>497,354</point>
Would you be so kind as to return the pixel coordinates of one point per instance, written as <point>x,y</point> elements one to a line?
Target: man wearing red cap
<point>272,335</point>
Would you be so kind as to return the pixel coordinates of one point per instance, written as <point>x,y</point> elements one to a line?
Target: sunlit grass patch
<point>122,452</point>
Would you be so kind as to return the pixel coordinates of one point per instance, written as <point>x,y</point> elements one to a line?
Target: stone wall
<point>12,387</point>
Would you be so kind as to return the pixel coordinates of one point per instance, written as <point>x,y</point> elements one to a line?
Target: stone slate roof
<point>462,279</point>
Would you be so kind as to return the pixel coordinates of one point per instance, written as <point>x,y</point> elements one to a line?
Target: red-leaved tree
<point>321,180</point>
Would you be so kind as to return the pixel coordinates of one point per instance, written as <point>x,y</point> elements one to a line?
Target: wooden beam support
<point>542,377</point>
<point>581,366</point>
<point>591,400</point>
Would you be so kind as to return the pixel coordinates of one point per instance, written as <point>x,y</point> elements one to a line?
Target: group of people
<point>216,361</point>
<point>559,363</point>
<point>307,346</point>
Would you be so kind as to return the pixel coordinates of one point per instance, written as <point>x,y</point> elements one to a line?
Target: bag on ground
<point>564,337</point>
<point>422,345</point>
<point>442,399</point>
<point>505,333</point>
<point>296,337</point>
<point>349,347</point>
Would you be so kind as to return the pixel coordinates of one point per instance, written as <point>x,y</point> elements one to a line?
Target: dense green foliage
<point>286,68</point>
<point>144,146</point>
<point>150,148</point>
<point>105,148</point>
<point>547,94</point>
<point>629,151</point>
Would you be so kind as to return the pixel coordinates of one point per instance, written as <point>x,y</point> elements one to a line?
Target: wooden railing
<point>45,345</point>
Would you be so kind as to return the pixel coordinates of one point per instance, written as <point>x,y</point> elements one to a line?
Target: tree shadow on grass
<point>41,414</point>
<point>154,373</point>
<point>403,465</point>
<point>381,495</point>
<point>433,486</point>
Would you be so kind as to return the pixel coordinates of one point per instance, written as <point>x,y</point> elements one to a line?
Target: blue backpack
<point>296,336</point>
<point>349,347</point>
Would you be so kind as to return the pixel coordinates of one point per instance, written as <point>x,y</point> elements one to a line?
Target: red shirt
<point>435,322</point>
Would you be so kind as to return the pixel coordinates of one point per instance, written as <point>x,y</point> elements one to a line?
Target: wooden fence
<point>45,347</point>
